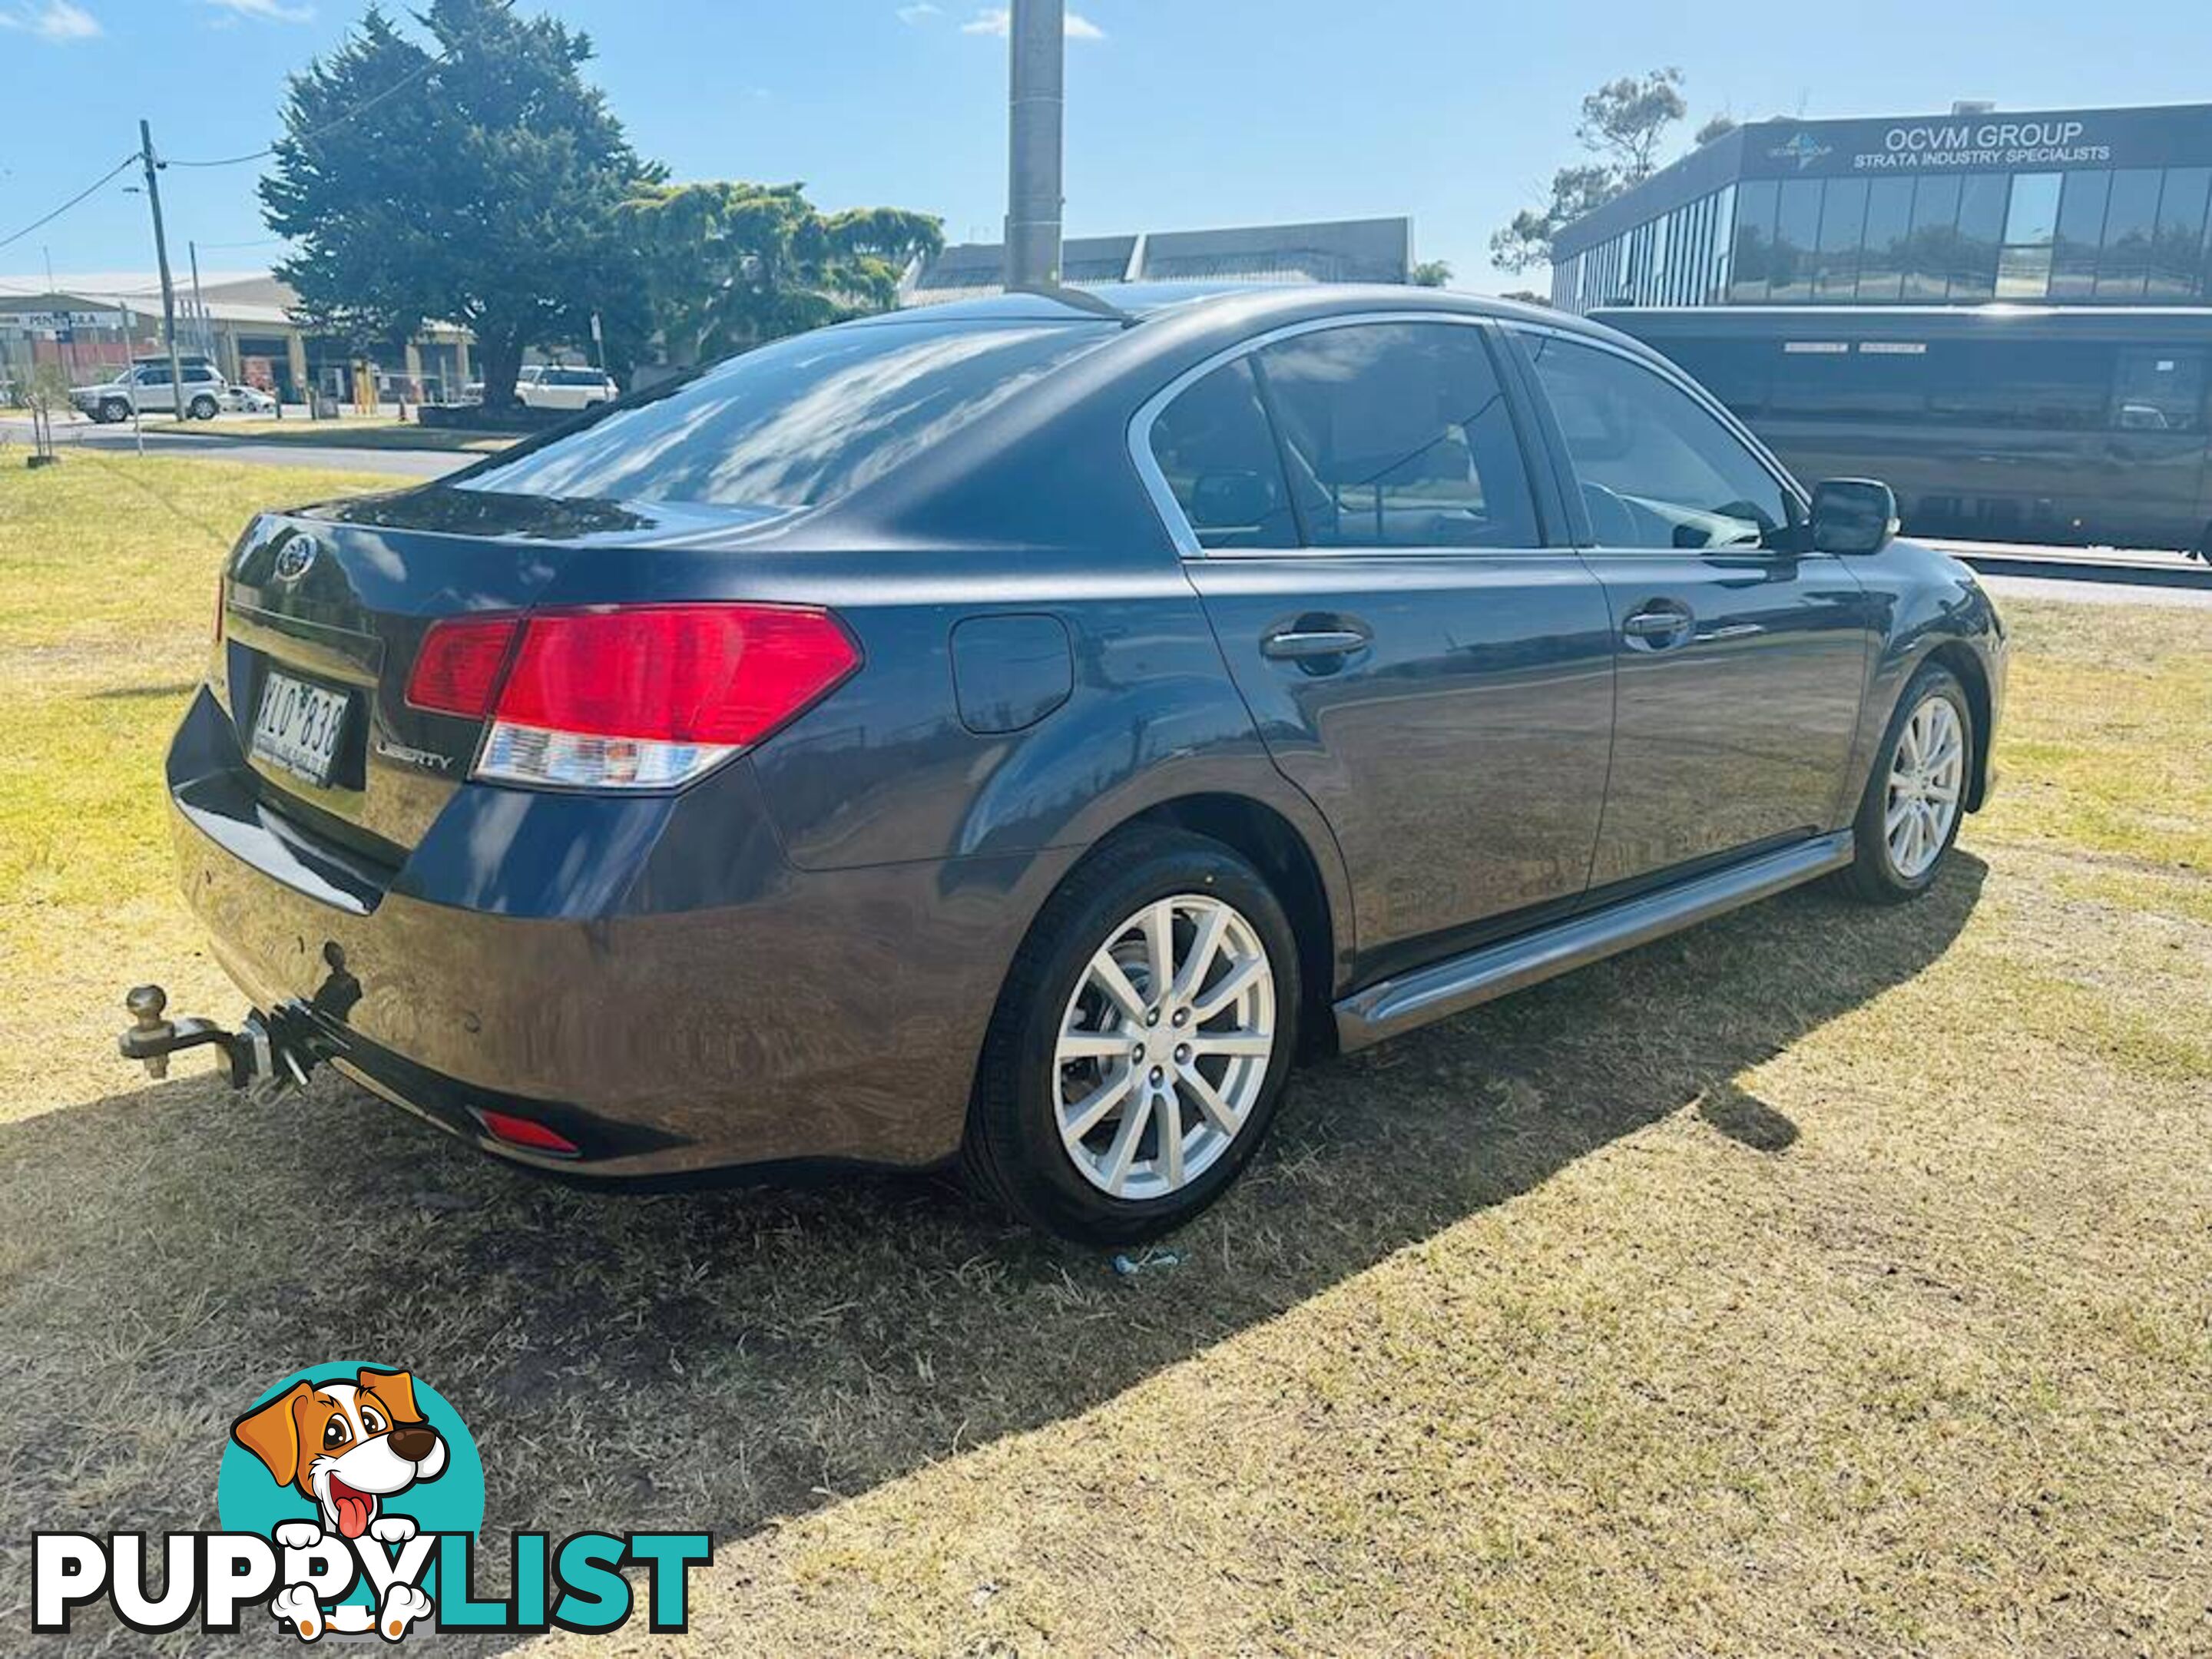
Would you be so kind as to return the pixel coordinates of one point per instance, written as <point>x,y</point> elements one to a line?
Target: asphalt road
<point>15,439</point>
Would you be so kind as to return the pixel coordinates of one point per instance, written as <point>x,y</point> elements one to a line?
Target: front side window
<point>1656,469</point>
<point>1214,446</point>
<point>1398,435</point>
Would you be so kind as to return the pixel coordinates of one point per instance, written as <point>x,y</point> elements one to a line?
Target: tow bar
<point>268,1054</point>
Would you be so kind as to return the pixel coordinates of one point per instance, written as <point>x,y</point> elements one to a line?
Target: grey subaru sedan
<point>1012,732</point>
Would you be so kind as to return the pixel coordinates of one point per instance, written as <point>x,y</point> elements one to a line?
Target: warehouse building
<point>1333,251</point>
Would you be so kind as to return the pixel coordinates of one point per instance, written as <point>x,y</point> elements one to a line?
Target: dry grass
<point>1823,1281</point>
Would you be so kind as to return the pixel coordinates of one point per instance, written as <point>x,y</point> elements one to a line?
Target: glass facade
<point>1680,258</point>
<point>2120,235</point>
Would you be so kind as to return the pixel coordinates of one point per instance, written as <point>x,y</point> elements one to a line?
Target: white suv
<point>147,388</point>
<point>548,386</point>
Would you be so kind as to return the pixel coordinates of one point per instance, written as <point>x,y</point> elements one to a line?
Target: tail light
<point>457,670</point>
<point>630,697</point>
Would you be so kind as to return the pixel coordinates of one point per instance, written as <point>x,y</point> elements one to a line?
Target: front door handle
<point>1658,626</point>
<point>1301,643</point>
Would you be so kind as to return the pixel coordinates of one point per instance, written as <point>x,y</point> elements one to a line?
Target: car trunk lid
<point>324,612</point>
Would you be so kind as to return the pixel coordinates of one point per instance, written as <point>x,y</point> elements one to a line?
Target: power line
<point>130,160</point>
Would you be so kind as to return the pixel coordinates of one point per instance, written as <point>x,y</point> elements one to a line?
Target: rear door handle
<point>1293,644</point>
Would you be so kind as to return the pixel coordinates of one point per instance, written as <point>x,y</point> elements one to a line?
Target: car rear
<point>467,802</point>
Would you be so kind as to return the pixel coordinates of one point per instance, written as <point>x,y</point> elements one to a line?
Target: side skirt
<point>1463,982</point>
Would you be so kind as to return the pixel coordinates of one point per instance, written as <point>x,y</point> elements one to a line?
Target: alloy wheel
<point>1926,775</point>
<point>1163,1046</point>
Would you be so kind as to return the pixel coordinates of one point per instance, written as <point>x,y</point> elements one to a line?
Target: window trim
<point>1563,461</point>
<point>1533,445</point>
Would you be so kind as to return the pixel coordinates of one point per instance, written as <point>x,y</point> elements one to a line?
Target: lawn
<point>1822,1281</point>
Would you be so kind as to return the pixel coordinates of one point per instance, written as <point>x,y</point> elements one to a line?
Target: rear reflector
<point>526,1133</point>
<point>457,670</point>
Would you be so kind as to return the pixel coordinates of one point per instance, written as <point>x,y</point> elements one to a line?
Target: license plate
<point>298,727</point>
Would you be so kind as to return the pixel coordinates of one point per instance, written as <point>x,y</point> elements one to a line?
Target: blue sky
<point>1182,113</point>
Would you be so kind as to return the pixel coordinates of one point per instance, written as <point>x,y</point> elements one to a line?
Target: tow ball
<point>266,1053</point>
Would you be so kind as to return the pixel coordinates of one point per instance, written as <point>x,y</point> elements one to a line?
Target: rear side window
<point>796,423</point>
<point>1656,468</point>
<point>1398,435</point>
<point>1214,447</point>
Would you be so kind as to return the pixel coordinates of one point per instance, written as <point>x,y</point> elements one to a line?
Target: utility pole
<point>169,288</point>
<point>1037,35</point>
<point>201,331</point>
<point>69,334</point>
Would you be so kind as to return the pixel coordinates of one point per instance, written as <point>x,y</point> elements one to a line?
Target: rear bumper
<point>802,1017</point>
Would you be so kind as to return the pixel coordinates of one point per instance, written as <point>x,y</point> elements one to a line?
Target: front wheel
<point>114,410</point>
<point>1140,1043</point>
<point>1914,801</point>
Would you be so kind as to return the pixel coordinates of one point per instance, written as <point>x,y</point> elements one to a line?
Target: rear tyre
<point>1914,801</point>
<point>1138,1049</point>
<point>200,408</point>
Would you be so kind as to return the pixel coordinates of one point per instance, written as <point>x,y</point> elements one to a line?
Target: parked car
<point>548,386</point>
<point>1011,733</point>
<point>247,400</point>
<point>147,387</point>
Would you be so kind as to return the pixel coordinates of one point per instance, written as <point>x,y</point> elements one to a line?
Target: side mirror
<point>1853,515</point>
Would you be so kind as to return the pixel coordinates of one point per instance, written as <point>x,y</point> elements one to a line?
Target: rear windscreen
<point>796,423</point>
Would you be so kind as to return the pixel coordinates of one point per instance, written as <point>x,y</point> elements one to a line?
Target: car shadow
<point>724,1359</point>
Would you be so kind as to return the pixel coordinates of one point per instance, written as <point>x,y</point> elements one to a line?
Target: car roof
<point>1255,301</point>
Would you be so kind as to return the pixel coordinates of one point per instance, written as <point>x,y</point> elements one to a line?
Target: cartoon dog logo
<point>347,1444</point>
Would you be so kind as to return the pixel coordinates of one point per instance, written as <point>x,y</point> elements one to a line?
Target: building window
<point>2031,226</point>
<point>1888,237</point>
<point>1723,244</point>
<point>2177,267</point>
<point>2080,232</point>
<point>2130,222</point>
<point>1981,231</point>
<point>1797,239</point>
<point>1931,252</point>
<point>1843,236</point>
<point>1754,263</point>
